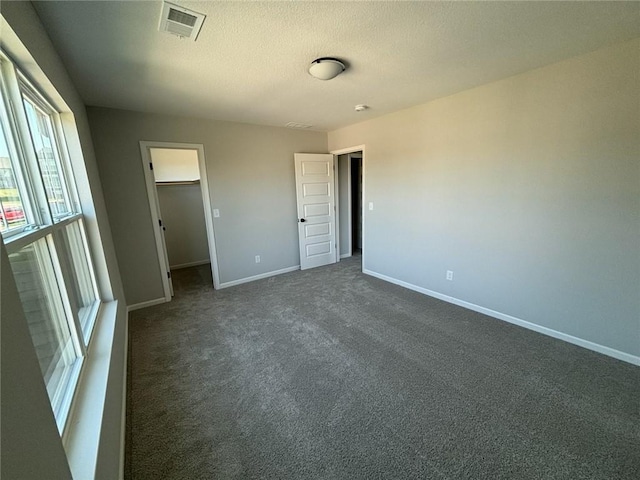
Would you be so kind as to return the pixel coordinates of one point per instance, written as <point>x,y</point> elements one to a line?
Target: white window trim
<point>15,88</point>
<point>82,436</point>
<point>41,103</point>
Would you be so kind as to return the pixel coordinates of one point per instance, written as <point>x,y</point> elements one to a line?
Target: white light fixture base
<point>326,68</point>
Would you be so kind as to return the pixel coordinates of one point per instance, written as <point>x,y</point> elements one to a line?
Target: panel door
<point>316,209</point>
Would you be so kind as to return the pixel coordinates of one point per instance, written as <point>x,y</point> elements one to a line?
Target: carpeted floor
<point>331,374</point>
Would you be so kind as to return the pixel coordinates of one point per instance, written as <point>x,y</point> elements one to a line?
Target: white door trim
<point>336,204</point>
<point>342,151</point>
<point>337,163</point>
<point>348,150</point>
<point>206,201</point>
<point>349,206</point>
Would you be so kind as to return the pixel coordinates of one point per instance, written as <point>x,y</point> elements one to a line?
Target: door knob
<point>302,220</point>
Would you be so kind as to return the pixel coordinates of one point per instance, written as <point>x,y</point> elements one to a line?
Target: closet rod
<point>181,182</point>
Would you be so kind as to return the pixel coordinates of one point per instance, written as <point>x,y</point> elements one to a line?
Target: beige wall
<point>251,182</point>
<point>527,188</point>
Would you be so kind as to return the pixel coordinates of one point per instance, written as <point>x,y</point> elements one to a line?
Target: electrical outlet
<point>216,213</point>
<point>370,205</point>
<point>449,275</point>
<point>257,258</point>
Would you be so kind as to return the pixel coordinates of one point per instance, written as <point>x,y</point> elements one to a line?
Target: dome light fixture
<point>326,68</point>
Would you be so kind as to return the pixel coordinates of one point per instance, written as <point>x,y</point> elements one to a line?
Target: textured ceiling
<point>250,61</point>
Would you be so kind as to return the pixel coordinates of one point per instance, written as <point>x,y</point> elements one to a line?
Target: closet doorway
<point>180,208</point>
<point>350,188</point>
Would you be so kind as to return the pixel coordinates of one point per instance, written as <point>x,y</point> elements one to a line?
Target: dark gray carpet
<point>331,374</point>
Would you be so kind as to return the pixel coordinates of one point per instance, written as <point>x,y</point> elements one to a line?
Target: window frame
<point>43,225</point>
<point>32,95</point>
<point>22,177</point>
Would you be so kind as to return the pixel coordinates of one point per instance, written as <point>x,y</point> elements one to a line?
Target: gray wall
<point>44,449</point>
<point>251,181</point>
<point>183,216</point>
<point>343,195</point>
<point>527,188</point>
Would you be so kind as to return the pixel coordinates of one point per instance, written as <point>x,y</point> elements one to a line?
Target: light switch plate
<point>216,213</point>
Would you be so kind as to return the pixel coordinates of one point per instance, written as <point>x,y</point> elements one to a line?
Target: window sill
<point>81,438</point>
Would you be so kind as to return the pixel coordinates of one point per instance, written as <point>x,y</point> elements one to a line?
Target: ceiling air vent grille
<point>297,125</point>
<point>180,21</point>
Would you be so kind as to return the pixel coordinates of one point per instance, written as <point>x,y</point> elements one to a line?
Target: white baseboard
<point>259,277</point>
<point>345,255</point>
<point>123,420</point>
<point>611,352</point>
<point>190,264</point>
<point>148,303</point>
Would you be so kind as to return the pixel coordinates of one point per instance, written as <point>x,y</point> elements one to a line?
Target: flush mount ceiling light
<point>326,68</point>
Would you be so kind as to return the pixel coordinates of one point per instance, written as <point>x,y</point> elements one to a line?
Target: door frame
<point>154,206</point>
<point>350,160</point>
<point>347,151</point>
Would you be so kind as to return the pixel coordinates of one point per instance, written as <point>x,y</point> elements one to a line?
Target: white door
<point>163,242</point>
<point>316,209</point>
<point>156,218</point>
<point>164,249</point>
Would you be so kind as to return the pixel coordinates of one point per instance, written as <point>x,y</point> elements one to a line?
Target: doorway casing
<point>152,193</point>
<point>346,151</point>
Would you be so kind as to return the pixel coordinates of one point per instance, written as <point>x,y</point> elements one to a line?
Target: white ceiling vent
<point>297,125</point>
<point>180,21</point>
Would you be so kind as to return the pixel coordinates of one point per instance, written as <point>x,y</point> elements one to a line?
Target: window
<point>44,232</point>
<point>47,150</point>
<point>12,208</point>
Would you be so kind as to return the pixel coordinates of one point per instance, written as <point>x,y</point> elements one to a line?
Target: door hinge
<point>150,166</point>
<point>168,274</point>
<point>160,222</point>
